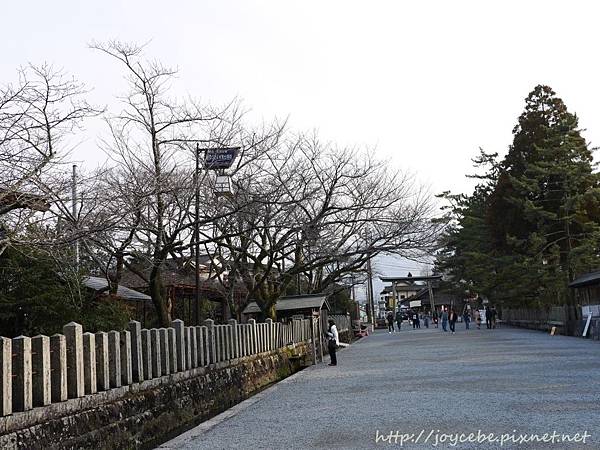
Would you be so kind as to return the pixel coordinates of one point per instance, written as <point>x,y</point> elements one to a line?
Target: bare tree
<point>152,147</point>
<point>320,213</point>
<point>38,115</point>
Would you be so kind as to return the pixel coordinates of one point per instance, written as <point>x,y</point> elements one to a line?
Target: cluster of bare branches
<point>318,214</point>
<point>38,114</point>
<point>302,211</point>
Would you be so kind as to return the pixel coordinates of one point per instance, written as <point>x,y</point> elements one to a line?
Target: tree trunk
<point>158,298</point>
<point>271,312</point>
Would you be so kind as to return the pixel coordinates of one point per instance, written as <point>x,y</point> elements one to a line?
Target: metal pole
<point>197,308</point>
<point>74,212</point>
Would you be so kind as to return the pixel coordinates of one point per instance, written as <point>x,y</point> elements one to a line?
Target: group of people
<point>490,317</point>
<point>448,318</point>
<point>414,318</point>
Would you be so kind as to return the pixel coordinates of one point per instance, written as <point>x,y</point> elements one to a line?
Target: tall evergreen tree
<point>544,209</point>
<point>533,225</point>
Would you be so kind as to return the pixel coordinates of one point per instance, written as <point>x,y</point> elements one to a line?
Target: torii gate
<point>428,279</point>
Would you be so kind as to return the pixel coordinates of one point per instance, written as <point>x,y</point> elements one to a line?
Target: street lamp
<point>218,159</point>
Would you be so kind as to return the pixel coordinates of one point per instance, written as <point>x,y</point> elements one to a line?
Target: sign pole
<point>197,308</point>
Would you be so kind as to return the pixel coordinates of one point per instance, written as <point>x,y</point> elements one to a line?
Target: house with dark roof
<point>179,281</point>
<point>100,285</point>
<point>294,305</point>
<point>587,293</point>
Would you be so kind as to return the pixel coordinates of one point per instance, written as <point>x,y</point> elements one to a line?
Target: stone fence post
<point>200,344</point>
<point>210,344</point>
<point>74,336</point>
<point>102,368</point>
<point>172,344</point>
<point>252,337</point>
<point>58,367</point>
<point>40,350</point>
<point>165,357</point>
<point>22,388</point>
<point>90,384</point>
<point>126,366</point>
<point>187,334</point>
<point>156,356</point>
<point>5,376</point>
<point>179,327</point>
<point>137,368</point>
<point>269,336</point>
<point>114,358</point>
<point>193,346</point>
<point>146,354</point>
<point>235,347</point>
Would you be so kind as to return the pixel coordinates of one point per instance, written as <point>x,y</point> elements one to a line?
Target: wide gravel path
<point>424,383</point>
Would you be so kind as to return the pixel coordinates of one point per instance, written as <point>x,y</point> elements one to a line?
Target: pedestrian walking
<point>333,340</point>
<point>493,314</point>
<point>398,319</point>
<point>415,320</point>
<point>390,321</point>
<point>478,319</point>
<point>452,318</point>
<point>426,320</point>
<point>467,319</point>
<point>488,318</point>
<point>435,318</point>
<point>444,320</point>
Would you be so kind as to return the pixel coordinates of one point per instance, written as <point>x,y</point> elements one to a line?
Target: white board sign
<point>587,325</point>
<point>415,303</point>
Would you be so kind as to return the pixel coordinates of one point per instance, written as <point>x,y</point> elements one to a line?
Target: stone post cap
<point>252,321</point>
<point>269,320</point>
<point>209,322</point>
<point>232,322</point>
<point>72,324</point>
<point>177,321</point>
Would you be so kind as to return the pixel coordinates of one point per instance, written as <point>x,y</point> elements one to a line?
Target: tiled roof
<point>316,301</point>
<point>97,284</point>
<point>587,279</point>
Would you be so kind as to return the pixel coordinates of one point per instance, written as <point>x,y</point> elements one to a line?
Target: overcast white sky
<point>426,82</point>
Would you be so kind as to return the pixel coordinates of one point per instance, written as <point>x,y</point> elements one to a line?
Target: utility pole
<point>370,298</point>
<point>74,213</point>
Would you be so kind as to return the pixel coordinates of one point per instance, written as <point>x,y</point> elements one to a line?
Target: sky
<point>425,83</point>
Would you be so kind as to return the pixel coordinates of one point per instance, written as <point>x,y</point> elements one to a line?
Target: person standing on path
<point>426,320</point>
<point>467,319</point>
<point>452,318</point>
<point>390,321</point>
<point>399,319</point>
<point>435,318</point>
<point>493,314</point>
<point>478,319</point>
<point>333,340</point>
<point>415,320</point>
<point>488,317</point>
<point>444,320</point>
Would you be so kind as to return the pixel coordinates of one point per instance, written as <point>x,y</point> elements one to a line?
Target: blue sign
<point>220,158</point>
